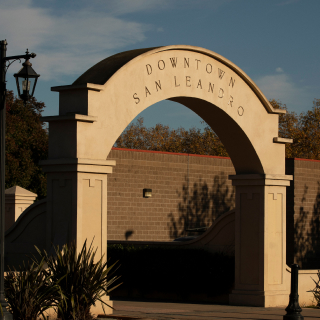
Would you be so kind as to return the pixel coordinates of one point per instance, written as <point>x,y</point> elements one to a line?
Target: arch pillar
<point>76,190</point>
<point>77,202</point>
<point>260,240</point>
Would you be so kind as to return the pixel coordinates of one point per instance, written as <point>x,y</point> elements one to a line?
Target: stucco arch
<point>120,87</point>
<point>98,106</point>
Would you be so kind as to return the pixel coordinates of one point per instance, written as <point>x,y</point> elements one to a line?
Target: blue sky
<point>276,42</point>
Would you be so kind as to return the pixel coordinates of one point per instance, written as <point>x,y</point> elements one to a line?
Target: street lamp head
<point>26,79</point>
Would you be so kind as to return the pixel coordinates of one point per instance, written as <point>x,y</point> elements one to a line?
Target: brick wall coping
<point>301,159</point>
<point>148,243</point>
<point>170,153</point>
<point>195,155</point>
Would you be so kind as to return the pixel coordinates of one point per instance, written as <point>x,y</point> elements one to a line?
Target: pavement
<point>165,311</point>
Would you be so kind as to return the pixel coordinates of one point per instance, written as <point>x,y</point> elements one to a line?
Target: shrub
<point>316,290</point>
<point>168,270</point>
<point>84,281</point>
<point>30,292</point>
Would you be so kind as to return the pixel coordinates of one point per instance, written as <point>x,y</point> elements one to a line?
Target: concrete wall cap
<point>16,190</point>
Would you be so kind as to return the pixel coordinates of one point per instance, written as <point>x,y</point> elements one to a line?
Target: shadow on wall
<point>128,234</point>
<point>201,205</point>
<point>307,234</point>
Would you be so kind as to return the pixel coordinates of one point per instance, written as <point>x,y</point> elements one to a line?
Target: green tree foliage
<point>26,145</point>
<point>162,138</point>
<point>304,129</point>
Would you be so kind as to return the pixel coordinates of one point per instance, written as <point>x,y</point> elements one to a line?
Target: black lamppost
<point>26,79</point>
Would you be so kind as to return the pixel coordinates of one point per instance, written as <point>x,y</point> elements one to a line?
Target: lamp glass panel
<point>26,85</point>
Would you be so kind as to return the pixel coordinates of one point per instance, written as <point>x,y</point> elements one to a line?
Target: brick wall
<point>172,209</point>
<point>191,191</point>
<point>303,213</point>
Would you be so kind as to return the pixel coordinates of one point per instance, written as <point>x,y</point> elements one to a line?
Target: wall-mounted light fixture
<point>147,193</point>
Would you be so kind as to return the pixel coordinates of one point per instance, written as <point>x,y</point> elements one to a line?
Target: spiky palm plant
<point>30,291</point>
<point>316,291</point>
<point>85,281</point>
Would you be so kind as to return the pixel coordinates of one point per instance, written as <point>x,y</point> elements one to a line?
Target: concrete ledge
<point>70,117</point>
<point>260,180</point>
<point>78,165</point>
<point>87,86</point>
<point>282,140</point>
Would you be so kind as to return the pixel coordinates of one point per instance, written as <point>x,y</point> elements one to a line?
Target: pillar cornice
<point>261,180</point>
<point>70,117</point>
<point>78,165</point>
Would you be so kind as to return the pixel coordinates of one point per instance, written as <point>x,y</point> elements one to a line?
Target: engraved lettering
<point>232,82</point>
<point>230,101</point>
<point>240,111</point>
<point>211,86</point>
<point>175,82</point>
<point>147,91</point>
<point>158,85</point>
<point>198,63</point>
<point>221,93</point>
<point>188,78</point>
<point>136,98</point>
<point>149,69</point>
<point>199,84</point>
<point>163,65</point>
<point>209,68</point>
<point>186,62</point>
<point>221,73</point>
<point>174,62</point>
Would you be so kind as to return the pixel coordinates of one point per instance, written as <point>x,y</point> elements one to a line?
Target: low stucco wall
<point>26,233</point>
<point>220,238</point>
<point>306,284</point>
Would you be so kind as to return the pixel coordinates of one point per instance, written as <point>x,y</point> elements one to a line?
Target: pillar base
<point>259,298</point>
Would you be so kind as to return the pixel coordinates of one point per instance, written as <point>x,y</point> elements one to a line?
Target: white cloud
<point>69,43</point>
<point>279,70</point>
<point>281,87</point>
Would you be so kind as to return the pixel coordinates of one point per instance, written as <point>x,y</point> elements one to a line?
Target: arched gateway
<point>98,106</point>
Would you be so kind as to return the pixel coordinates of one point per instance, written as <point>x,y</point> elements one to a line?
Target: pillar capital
<point>261,179</point>
<point>78,165</point>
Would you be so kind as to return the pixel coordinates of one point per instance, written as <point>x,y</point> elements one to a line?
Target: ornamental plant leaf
<point>30,291</point>
<point>84,279</point>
